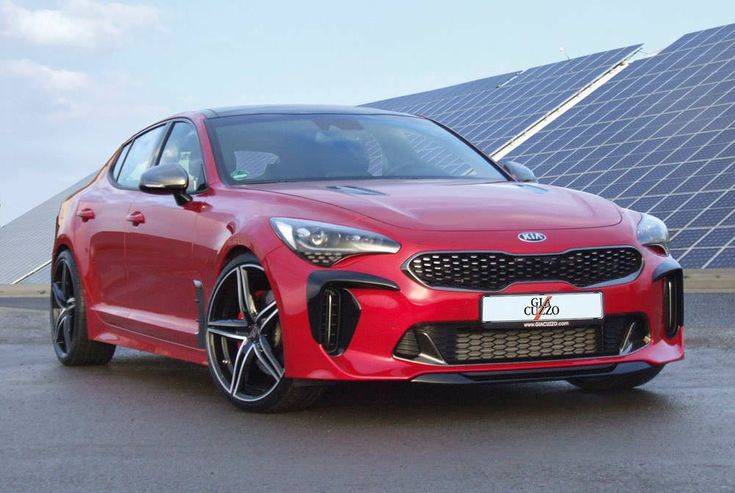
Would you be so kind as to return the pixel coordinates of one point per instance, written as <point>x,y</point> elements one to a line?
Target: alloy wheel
<point>243,334</point>
<point>63,308</point>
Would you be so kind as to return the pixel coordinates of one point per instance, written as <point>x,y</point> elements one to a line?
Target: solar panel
<point>490,112</point>
<point>27,241</point>
<point>660,138</point>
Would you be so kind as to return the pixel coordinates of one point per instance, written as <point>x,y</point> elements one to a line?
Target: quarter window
<point>120,160</point>
<point>182,148</point>
<point>139,157</point>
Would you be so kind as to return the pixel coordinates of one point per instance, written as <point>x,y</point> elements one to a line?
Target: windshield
<point>298,147</point>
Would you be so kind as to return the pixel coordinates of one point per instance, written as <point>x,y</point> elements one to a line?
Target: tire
<point>245,344</point>
<point>619,382</point>
<point>69,318</point>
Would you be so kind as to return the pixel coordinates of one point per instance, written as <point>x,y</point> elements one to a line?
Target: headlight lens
<point>653,232</point>
<point>325,244</point>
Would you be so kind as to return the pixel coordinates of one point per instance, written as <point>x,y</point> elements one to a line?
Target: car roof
<point>296,109</point>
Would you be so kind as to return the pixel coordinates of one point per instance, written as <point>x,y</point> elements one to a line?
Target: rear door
<point>159,248</point>
<point>102,215</point>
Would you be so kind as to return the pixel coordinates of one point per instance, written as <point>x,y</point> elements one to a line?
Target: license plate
<point>542,309</point>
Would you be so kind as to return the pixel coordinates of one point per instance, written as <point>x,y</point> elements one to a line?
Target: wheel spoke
<point>242,361</point>
<point>264,353</point>
<point>266,315</point>
<point>230,335</point>
<point>244,296</point>
<point>59,297</point>
<point>64,279</point>
<point>67,328</point>
<point>229,324</point>
<point>58,326</point>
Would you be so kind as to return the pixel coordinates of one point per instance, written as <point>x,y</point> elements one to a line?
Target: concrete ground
<point>146,423</point>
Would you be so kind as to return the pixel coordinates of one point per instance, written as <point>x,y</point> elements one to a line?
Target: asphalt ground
<point>147,423</point>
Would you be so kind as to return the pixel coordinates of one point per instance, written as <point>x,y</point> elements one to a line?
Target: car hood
<point>432,205</point>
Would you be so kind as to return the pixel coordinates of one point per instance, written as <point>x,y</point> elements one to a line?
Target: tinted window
<point>255,148</point>
<point>120,159</point>
<point>139,157</point>
<point>182,148</point>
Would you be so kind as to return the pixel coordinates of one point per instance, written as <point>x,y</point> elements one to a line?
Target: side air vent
<point>338,316</point>
<point>330,319</point>
<point>673,302</point>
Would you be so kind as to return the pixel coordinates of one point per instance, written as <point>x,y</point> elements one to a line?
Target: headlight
<point>653,232</point>
<point>325,244</point>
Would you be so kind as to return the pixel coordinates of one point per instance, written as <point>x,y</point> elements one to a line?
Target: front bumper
<point>389,303</point>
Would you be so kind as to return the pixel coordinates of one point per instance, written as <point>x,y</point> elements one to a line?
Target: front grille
<point>493,271</point>
<point>470,342</point>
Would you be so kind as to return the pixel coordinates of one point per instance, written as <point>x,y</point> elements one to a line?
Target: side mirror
<point>166,179</point>
<point>519,172</point>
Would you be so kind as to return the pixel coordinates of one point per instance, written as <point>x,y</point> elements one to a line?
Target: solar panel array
<point>27,241</point>
<point>658,138</point>
<point>490,112</point>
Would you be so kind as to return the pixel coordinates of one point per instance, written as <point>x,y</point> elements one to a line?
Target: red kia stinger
<point>289,246</point>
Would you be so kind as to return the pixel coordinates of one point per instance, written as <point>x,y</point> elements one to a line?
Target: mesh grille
<point>495,345</point>
<point>459,343</point>
<point>492,271</point>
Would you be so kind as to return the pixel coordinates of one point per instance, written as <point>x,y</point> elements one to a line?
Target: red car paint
<point>137,275</point>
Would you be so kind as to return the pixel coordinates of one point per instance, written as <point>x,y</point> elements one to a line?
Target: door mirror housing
<point>519,171</point>
<point>166,179</point>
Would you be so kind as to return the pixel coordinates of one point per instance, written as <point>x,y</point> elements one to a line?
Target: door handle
<point>136,218</point>
<point>86,214</point>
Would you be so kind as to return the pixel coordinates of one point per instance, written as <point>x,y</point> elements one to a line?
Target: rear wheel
<point>619,382</point>
<point>245,342</point>
<point>69,320</point>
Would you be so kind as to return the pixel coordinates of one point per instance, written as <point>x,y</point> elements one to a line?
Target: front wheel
<point>617,382</point>
<point>245,342</point>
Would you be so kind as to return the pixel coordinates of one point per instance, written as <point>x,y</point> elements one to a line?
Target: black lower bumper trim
<point>534,375</point>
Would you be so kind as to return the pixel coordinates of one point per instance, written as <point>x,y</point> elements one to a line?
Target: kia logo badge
<point>532,237</point>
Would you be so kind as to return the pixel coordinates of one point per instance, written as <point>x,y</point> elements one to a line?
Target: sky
<point>77,77</point>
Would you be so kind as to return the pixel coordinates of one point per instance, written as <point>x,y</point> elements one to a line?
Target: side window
<point>182,148</point>
<point>139,157</point>
<point>120,159</point>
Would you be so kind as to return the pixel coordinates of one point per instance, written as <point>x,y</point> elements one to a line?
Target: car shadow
<point>351,403</point>
<point>407,401</point>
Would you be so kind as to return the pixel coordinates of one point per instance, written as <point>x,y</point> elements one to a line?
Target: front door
<point>159,249</point>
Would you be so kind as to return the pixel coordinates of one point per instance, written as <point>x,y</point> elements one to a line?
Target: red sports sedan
<point>288,246</point>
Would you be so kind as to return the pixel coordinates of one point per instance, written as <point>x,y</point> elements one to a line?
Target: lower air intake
<point>462,343</point>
